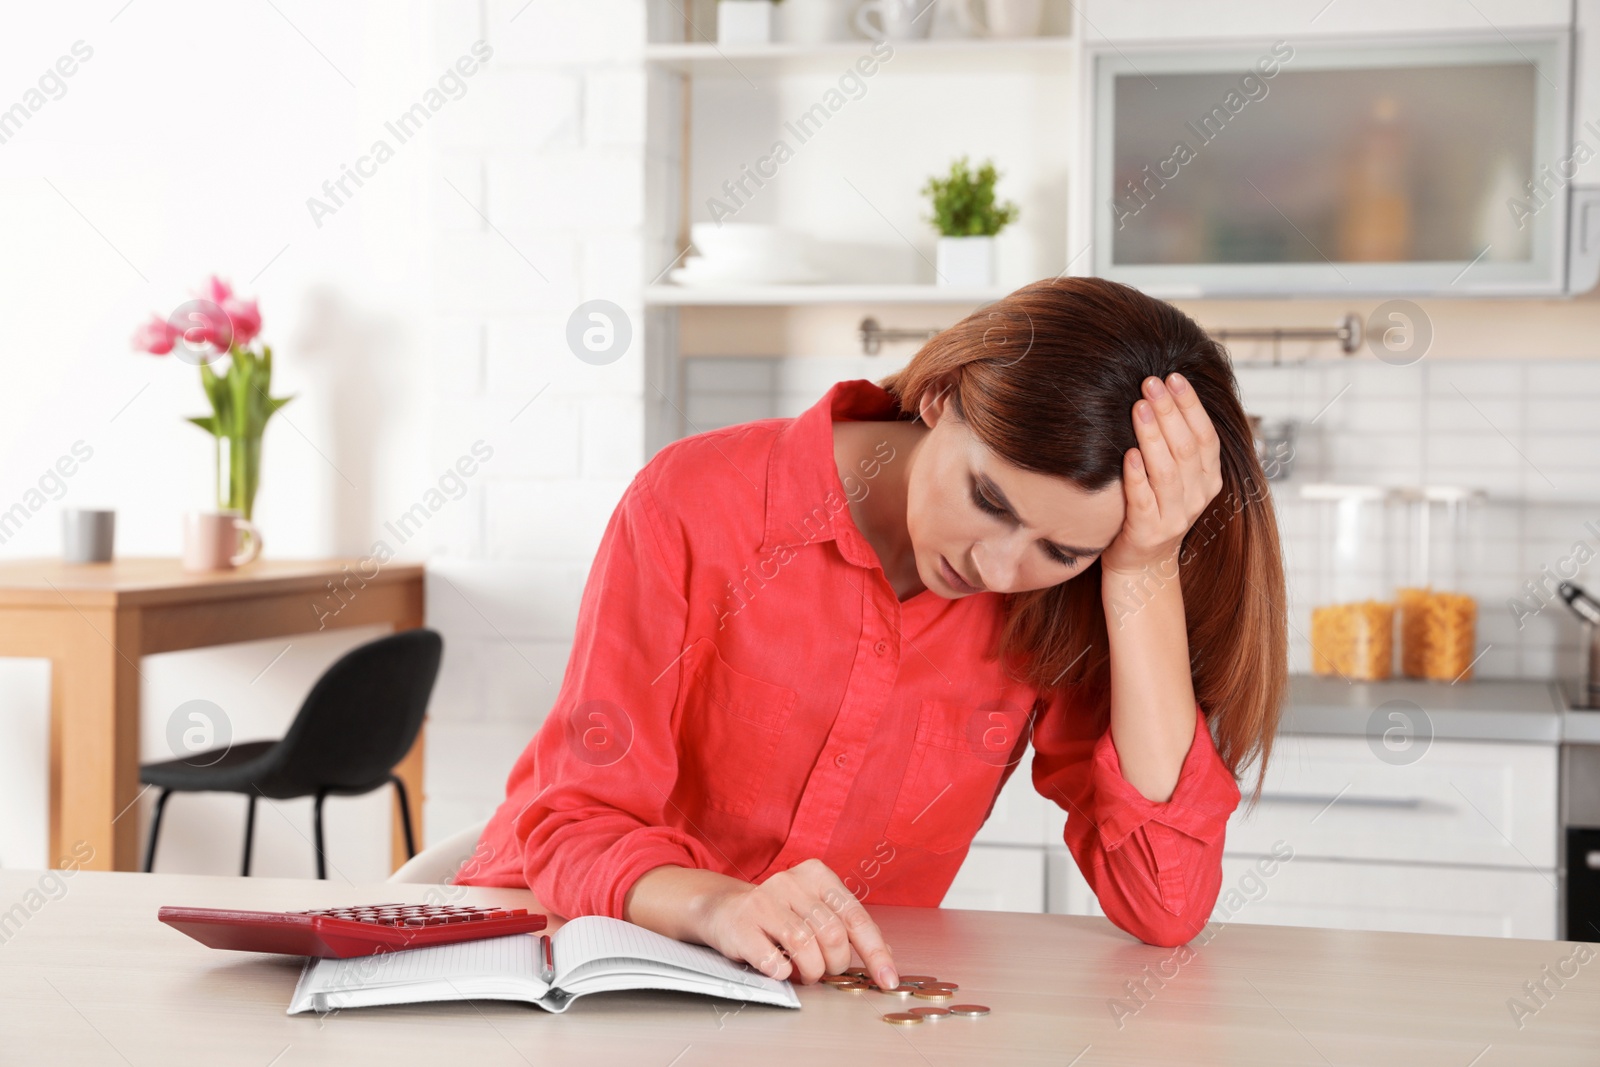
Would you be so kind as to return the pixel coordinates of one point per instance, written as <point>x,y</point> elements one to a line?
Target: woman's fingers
<point>1141,499</point>
<point>1202,476</point>
<point>852,926</point>
<point>799,941</point>
<point>1174,423</point>
<point>752,945</point>
<point>803,923</point>
<point>868,942</point>
<point>1198,420</point>
<point>827,932</point>
<point>1160,466</point>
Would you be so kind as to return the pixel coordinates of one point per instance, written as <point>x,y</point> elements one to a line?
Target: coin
<point>948,987</point>
<point>902,1018</point>
<point>968,1009</point>
<point>901,990</point>
<point>930,1013</point>
<point>859,972</point>
<point>926,993</point>
<point>838,979</point>
<point>917,979</point>
<point>851,987</point>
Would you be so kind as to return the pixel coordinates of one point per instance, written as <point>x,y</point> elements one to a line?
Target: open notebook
<point>590,954</point>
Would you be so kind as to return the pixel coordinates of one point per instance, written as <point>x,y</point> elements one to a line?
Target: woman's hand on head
<point>801,923</point>
<point>1168,480</point>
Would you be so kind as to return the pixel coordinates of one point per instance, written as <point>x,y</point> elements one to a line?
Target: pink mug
<point>211,540</point>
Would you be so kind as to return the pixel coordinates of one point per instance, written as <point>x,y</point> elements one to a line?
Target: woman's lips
<point>952,576</point>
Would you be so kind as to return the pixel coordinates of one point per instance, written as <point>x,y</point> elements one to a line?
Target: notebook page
<point>459,969</point>
<point>591,940</point>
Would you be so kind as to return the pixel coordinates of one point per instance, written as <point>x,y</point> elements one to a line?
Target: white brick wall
<point>549,149</point>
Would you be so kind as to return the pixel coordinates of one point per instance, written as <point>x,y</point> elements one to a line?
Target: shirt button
<point>840,760</point>
<point>881,647</point>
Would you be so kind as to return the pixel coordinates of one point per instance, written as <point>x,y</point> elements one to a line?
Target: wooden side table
<point>94,621</point>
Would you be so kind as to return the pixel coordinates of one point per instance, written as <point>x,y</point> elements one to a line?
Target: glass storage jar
<point>1438,621</point>
<point>1352,620</point>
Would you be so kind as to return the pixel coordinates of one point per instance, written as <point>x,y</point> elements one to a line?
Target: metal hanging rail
<point>1348,333</point>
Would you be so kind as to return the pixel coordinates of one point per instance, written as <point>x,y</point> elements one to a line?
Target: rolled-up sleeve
<point>586,809</point>
<point>1156,868</point>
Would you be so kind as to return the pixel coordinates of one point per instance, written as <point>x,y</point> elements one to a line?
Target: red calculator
<point>340,933</point>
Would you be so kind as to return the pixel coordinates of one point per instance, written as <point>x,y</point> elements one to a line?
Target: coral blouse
<point>746,691</point>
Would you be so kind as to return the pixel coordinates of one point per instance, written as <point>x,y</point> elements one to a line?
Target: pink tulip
<point>156,336</point>
<point>217,291</point>
<point>246,319</point>
<point>208,325</point>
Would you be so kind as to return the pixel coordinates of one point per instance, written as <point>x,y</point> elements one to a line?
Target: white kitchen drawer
<point>999,878</point>
<point>1489,803</point>
<point>1418,899</point>
<point>1066,893</point>
<point>1406,898</point>
<point>1021,816</point>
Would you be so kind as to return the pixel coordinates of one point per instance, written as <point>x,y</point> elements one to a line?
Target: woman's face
<point>1047,529</point>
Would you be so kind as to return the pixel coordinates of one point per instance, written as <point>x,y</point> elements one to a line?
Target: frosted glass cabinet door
<point>1312,166</point>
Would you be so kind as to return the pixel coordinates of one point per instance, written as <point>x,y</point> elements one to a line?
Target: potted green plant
<point>967,217</point>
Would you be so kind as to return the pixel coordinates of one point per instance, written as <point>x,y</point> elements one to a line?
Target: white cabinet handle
<point>1409,803</point>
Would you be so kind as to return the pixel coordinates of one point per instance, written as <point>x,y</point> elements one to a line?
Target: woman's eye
<point>984,504</point>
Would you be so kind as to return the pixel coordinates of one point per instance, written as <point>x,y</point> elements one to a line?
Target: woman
<point>811,650</point>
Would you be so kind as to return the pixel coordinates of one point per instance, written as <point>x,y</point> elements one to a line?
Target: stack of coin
<point>904,989</point>
<point>922,986</point>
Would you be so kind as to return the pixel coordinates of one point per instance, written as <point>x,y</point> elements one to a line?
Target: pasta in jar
<point>1354,640</point>
<point>1438,631</point>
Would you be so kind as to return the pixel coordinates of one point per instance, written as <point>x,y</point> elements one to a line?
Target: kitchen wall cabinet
<point>1462,841</point>
<point>1170,20</point>
<point>1367,165</point>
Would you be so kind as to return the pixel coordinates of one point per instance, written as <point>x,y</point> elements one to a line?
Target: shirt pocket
<point>732,723</point>
<point>949,783</point>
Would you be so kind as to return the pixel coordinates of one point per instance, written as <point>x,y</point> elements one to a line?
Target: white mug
<point>87,535</point>
<point>211,540</point>
<point>1002,18</point>
<point>898,20</point>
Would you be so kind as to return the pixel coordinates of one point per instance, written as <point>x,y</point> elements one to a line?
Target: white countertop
<point>1489,709</point>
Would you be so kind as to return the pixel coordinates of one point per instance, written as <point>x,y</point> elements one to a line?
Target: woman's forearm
<point>1152,690</point>
<point>676,901</point>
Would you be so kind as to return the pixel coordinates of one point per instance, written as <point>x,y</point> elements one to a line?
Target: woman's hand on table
<point>799,923</point>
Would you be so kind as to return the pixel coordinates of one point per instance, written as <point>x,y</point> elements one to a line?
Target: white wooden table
<point>87,975</point>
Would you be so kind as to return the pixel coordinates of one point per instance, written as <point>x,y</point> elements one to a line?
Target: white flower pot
<point>744,21</point>
<point>965,261</point>
<point>811,21</point>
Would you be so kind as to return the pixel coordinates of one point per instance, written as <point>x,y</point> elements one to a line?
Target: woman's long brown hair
<point>1046,378</point>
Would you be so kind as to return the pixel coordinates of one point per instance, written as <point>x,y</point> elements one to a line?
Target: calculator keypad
<point>412,916</point>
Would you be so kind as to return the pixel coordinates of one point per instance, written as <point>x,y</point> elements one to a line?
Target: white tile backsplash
<point>1499,425</point>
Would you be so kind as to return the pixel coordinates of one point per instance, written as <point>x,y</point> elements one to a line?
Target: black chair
<point>359,721</point>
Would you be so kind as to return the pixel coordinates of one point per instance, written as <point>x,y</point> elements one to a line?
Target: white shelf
<point>786,295</point>
<point>956,55</point>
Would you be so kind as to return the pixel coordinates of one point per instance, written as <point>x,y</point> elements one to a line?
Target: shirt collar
<point>806,501</point>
